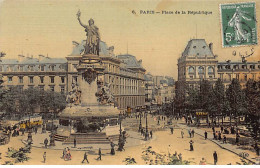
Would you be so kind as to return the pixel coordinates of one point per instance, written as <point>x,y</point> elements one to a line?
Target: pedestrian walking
<point>219,136</point>
<point>151,134</point>
<point>171,130</point>
<point>215,156</point>
<point>112,152</point>
<point>191,145</point>
<point>213,129</point>
<point>182,133</point>
<point>206,135</point>
<point>99,154</point>
<point>64,153</point>
<point>192,132</point>
<point>44,157</point>
<point>75,142</point>
<point>224,139</point>
<point>35,130</point>
<point>222,128</point>
<point>46,142</point>
<point>237,138</point>
<point>85,158</point>
<point>214,135</point>
<point>189,133</point>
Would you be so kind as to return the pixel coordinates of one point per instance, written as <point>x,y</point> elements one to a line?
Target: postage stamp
<point>238,24</point>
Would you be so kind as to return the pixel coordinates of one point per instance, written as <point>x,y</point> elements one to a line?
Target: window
<point>10,68</point>
<point>52,79</point>
<point>10,79</point>
<point>20,79</point>
<point>252,66</point>
<point>52,67</point>
<point>210,70</point>
<point>1,68</point>
<point>20,68</point>
<point>237,76</point>
<point>201,70</point>
<point>30,79</point>
<point>42,67</point>
<point>75,66</point>
<point>191,70</point>
<point>75,79</point>
<point>62,89</point>
<point>229,77</point>
<point>62,78</point>
<point>41,79</point>
<point>244,67</point>
<point>219,66</point>
<point>30,67</point>
<point>191,77</point>
<point>41,87</point>
<point>245,77</point>
<point>52,88</point>
<point>227,66</point>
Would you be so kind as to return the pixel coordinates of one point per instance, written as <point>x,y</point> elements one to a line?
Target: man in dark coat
<point>215,156</point>
<point>99,154</point>
<point>85,158</point>
<point>206,135</point>
<point>75,142</point>
<point>151,134</point>
<point>191,145</point>
<point>45,142</point>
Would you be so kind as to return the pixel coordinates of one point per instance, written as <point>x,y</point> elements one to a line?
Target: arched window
<point>191,70</point>
<point>201,70</point>
<point>210,70</point>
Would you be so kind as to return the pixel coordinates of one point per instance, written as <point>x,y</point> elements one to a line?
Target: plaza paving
<point>163,142</point>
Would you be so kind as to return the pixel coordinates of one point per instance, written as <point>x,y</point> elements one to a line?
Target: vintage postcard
<point>120,82</point>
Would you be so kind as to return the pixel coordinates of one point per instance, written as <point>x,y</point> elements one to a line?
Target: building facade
<point>123,74</point>
<point>159,89</point>
<point>198,62</point>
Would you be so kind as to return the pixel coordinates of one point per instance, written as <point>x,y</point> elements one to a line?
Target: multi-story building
<point>198,62</point>
<point>159,89</point>
<point>243,71</point>
<point>123,74</point>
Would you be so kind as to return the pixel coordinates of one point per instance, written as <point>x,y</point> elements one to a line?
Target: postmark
<point>238,24</point>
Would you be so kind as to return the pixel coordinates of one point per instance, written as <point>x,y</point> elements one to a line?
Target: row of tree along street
<point>219,102</point>
<point>16,103</point>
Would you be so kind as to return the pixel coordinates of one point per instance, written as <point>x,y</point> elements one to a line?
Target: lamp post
<point>140,124</point>
<point>52,136</point>
<point>146,128</point>
<point>29,139</point>
<point>120,140</point>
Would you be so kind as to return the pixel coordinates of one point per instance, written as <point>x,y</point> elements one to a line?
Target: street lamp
<point>29,139</point>
<point>52,137</point>
<point>120,140</point>
<point>140,124</point>
<point>146,128</point>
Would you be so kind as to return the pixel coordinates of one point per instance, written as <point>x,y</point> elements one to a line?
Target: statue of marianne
<point>93,36</point>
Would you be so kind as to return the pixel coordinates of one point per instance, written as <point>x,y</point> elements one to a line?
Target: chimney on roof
<point>41,57</point>
<point>21,57</point>
<point>211,47</point>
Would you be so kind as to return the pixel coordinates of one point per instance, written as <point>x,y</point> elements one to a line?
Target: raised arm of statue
<point>83,25</point>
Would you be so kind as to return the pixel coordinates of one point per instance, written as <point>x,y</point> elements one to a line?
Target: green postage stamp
<point>238,23</point>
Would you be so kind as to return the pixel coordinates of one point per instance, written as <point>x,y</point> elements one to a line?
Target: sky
<point>33,27</point>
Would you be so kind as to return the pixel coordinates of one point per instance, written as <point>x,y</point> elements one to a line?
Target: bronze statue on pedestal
<point>93,36</point>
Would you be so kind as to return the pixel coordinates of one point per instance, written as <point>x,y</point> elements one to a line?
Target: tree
<point>252,92</point>
<point>236,99</point>
<point>219,98</point>
<point>206,98</point>
<point>10,101</point>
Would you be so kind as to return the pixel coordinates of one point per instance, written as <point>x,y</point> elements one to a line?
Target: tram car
<point>31,121</point>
